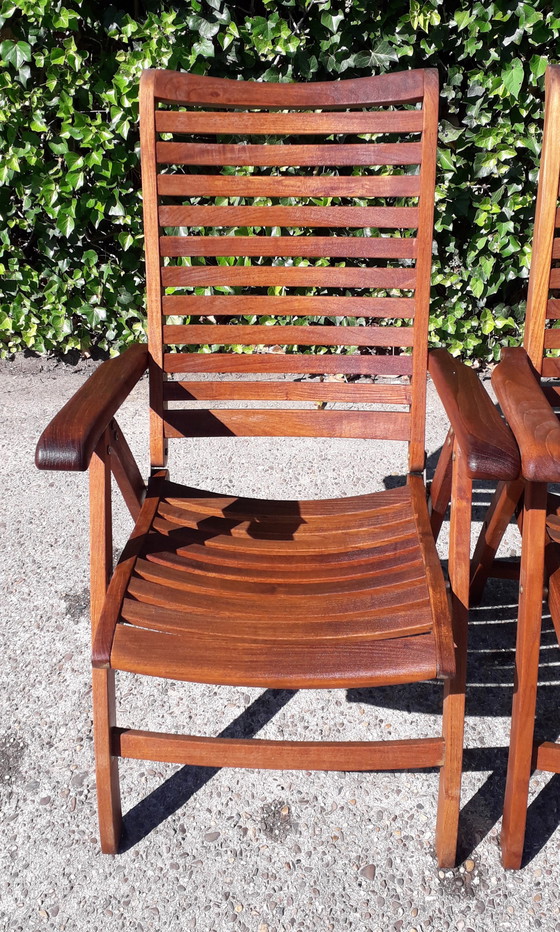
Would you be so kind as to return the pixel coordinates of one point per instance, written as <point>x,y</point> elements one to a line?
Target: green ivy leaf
<point>332,21</point>
<point>512,76</point>
<point>15,53</point>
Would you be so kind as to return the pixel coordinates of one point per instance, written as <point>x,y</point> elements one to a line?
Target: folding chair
<point>315,594</point>
<point>528,404</point>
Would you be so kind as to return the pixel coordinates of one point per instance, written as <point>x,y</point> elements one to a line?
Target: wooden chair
<point>315,594</point>
<point>530,406</point>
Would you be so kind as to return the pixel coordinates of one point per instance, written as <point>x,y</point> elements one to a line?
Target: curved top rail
<point>181,87</point>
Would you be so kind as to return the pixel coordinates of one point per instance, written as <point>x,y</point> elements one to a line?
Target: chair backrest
<point>542,333</point>
<point>367,173</point>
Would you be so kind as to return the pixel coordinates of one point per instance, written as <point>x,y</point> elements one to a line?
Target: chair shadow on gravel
<point>178,789</point>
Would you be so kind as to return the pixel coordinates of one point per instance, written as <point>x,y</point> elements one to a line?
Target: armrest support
<point>531,418</point>
<point>71,437</point>
<point>485,440</point>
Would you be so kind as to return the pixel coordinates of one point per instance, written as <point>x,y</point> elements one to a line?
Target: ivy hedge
<point>71,266</point>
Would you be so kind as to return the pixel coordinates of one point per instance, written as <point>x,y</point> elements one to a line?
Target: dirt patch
<point>277,820</point>
<point>12,752</point>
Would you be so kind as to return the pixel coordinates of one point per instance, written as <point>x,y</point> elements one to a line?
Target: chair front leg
<point>526,674</point>
<point>454,690</point>
<point>101,558</point>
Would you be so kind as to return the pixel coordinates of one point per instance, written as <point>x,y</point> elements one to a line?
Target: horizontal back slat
<point>292,363</point>
<point>262,124</point>
<point>379,217</point>
<point>554,278</point>
<point>366,143</point>
<point>288,276</point>
<point>553,309</point>
<point>299,306</point>
<point>266,423</point>
<point>255,335</point>
<point>265,390</point>
<point>316,246</point>
<point>177,87</point>
<point>192,153</point>
<point>552,338</point>
<point>551,368</point>
<point>289,185</point>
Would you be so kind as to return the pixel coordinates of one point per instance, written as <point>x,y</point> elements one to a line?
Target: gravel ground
<point>213,850</point>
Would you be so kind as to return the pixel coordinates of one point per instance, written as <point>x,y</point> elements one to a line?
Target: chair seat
<point>242,591</point>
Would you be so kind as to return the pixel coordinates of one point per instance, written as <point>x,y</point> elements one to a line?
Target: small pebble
<point>368,872</point>
<point>211,836</point>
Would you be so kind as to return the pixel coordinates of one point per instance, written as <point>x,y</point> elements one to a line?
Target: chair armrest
<point>71,437</point>
<point>530,416</point>
<point>486,441</point>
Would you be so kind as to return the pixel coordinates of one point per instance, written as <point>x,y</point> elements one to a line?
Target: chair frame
<point>85,435</point>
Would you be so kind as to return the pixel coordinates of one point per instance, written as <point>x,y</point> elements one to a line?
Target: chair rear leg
<point>106,764</point>
<point>526,675</point>
<point>454,695</point>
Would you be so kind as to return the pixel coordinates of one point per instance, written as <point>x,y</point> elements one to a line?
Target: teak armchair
<point>223,590</point>
<point>530,407</point>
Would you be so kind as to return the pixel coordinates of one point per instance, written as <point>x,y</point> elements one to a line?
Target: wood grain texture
<point>379,90</point>
<point>154,284</point>
<point>100,529</point>
<point>526,675</point>
<point>70,439</point>
<point>383,153</point>
<point>106,761</point>
<point>284,755</point>
<point>548,757</point>
<point>502,507</point>
<point>484,438</point>
<point>532,420</point>
<point>449,799</point>
<point>297,306</point>
<point>265,335</point>
<point>324,185</point>
<point>224,422</point>
<point>541,278</point>
<point>553,309</point>
<point>440,486</point>
<point>201,216</point>
<point>295,363</point>
<point>110,604</point>
<point>373,247</point>
<point>125,470</point>
<point>328,665</point>
<point>287,390</point>
<point>289,276</point>
<point>263,124</point>
<point>248,627</point>
<point>433,574</point>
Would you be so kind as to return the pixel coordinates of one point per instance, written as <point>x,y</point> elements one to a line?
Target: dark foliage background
<point>70,244</point>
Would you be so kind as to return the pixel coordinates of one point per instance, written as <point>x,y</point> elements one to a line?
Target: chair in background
<point>315,594</point>
<point>526,382</point>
